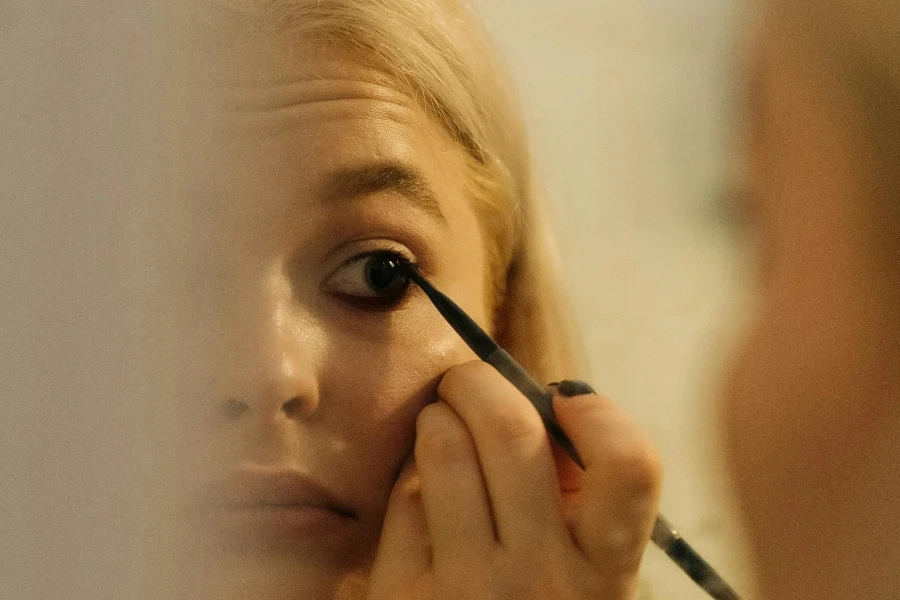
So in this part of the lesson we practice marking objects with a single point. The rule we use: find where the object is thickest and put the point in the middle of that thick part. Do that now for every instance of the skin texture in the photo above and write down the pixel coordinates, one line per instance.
(326, 386)
(358, 376)
(811, 406)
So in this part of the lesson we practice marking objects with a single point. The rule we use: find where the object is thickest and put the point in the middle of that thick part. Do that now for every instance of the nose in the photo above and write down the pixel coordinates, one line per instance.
(270, 401)
(233, 410)
(269, 373)
(276, 383)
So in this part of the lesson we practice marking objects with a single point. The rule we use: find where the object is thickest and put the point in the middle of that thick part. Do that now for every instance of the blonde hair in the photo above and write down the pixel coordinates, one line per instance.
(440, 52)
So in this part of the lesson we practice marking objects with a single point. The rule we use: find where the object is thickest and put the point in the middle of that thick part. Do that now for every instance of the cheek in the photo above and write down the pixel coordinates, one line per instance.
(792, 396)
(766, 410)
(747, 410)
(373, 388)
(377, 376)
(792, 362)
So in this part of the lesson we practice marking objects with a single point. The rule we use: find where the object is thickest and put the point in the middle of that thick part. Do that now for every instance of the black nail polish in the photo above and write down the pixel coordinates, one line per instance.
(575, 388)
(554, 384)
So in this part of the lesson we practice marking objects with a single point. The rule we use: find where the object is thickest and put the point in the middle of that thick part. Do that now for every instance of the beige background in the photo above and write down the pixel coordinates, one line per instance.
(94, 254)
(627, 103)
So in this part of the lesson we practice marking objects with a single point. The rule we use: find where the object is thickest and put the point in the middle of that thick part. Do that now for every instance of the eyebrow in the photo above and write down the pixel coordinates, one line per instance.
(359, 182)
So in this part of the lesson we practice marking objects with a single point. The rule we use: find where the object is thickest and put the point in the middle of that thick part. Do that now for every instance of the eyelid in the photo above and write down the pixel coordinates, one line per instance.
(355, 252)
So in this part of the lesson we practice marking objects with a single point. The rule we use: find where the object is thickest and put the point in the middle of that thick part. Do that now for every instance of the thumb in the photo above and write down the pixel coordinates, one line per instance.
(404, 552)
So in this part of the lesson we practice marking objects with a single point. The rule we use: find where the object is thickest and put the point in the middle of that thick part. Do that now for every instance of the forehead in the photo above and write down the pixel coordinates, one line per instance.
(290, 116)
(264, 87)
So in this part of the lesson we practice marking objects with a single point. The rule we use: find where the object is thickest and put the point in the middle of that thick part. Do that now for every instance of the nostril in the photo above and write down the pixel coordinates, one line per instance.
(293, 408)
(232, 410)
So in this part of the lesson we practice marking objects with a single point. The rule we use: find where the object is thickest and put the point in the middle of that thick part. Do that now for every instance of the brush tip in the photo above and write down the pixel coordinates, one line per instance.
(409, 269)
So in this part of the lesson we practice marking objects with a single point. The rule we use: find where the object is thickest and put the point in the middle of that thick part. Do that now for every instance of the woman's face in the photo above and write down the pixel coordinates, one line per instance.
(318, 162)
(806, 412)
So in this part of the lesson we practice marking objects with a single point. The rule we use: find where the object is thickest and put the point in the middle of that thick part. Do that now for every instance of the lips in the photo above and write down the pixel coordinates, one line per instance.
(276, 502)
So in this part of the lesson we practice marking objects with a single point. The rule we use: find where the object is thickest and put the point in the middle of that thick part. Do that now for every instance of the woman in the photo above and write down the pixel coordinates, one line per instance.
(343, 130)
(813, 405)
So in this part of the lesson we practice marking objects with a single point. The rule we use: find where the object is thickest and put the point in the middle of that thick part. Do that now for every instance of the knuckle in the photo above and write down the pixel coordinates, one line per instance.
(639, 469)
(438, 441)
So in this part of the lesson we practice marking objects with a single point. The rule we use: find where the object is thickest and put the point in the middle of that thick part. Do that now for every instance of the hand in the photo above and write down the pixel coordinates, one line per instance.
(491, 510)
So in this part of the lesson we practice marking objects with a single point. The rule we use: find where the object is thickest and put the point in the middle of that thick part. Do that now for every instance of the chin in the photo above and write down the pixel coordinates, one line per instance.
(277, 575)
(296, 567)
(279, 553)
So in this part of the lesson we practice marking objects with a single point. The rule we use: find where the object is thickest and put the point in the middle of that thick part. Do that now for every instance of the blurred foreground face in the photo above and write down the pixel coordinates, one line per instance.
(317, 163)
(813, 404)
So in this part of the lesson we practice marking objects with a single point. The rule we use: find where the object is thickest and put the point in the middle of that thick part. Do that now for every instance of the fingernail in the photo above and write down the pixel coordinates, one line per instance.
(554, 384)
(575, 388)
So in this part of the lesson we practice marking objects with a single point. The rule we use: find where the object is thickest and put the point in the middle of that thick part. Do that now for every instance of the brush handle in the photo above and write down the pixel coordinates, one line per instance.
(700, 571)
(537, 395)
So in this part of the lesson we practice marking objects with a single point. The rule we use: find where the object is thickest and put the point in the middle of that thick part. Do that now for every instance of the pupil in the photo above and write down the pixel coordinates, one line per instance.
(382, 273)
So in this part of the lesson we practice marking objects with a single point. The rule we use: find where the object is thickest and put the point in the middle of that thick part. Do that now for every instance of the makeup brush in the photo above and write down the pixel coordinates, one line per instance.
(488, 351)
(664, 535)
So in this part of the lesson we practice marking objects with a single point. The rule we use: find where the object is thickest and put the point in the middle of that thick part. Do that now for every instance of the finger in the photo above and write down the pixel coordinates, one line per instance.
(514, 453)
(569, 474)
(619, 500)
(571, 482)
(456, 503)
(404, 553)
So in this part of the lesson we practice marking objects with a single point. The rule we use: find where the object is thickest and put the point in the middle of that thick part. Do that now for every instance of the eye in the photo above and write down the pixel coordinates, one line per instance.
(375, 278)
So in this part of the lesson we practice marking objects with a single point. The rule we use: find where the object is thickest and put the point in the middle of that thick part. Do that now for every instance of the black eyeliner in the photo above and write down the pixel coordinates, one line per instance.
(664, 535)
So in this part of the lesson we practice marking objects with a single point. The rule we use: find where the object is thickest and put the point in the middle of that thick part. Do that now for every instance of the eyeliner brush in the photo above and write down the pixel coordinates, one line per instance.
(488, 351)
(664, 535)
